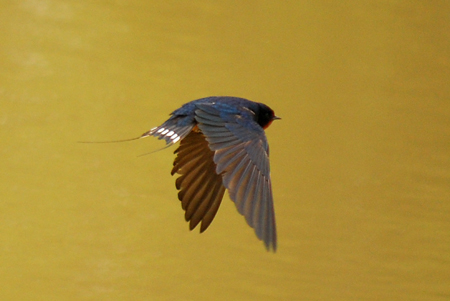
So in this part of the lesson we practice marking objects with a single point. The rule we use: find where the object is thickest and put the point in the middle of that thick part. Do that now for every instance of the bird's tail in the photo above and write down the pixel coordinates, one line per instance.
(171, 131)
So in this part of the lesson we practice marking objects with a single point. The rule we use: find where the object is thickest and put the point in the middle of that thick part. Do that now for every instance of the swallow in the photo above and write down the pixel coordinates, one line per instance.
(222, 147)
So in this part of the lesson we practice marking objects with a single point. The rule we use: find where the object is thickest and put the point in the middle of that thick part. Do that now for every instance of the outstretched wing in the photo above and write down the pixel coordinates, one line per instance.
(241, 153)
(201, 189)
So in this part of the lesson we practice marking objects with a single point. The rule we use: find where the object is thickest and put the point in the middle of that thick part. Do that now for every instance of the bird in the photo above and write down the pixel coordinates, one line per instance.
(223, 146)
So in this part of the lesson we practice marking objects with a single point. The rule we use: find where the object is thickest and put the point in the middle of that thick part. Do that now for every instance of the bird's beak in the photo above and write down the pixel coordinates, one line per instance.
(276, 118)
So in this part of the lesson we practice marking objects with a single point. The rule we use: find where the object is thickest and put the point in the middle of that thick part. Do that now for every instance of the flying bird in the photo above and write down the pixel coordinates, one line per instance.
(222, 147)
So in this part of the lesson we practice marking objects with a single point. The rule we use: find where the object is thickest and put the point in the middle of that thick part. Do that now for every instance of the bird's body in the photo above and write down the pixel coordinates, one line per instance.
(223, 147)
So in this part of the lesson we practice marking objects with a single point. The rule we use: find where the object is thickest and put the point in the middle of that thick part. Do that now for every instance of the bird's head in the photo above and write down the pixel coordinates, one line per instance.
(265, 115)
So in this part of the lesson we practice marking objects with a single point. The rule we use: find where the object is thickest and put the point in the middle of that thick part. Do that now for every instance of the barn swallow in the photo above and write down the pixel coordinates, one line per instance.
(222, 147)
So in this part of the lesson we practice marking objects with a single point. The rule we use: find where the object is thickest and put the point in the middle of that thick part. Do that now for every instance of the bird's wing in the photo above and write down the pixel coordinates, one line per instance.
(201, 189)
(241, 153)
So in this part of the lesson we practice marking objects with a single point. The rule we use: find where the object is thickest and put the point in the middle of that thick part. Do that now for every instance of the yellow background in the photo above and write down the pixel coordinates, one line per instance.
(360, 161)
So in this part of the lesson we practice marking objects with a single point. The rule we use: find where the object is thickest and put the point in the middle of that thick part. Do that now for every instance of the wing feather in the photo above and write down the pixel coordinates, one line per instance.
(241, 153)
(200, 187)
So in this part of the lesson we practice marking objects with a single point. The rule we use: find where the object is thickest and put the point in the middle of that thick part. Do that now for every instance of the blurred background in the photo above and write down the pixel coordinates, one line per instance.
(360, 161)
